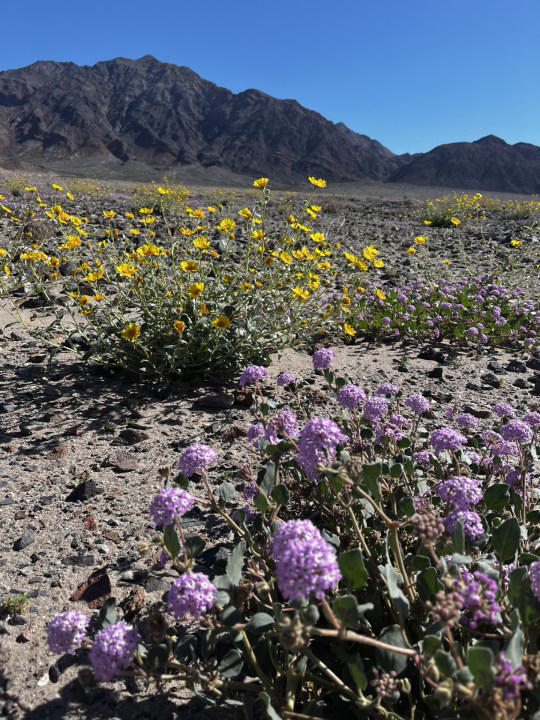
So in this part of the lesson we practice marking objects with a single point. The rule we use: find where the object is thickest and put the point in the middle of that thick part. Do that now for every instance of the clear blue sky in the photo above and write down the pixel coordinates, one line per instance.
(410, 73)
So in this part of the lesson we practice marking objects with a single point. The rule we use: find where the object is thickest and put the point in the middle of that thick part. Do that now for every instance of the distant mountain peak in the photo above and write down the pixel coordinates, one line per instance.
(491, 140)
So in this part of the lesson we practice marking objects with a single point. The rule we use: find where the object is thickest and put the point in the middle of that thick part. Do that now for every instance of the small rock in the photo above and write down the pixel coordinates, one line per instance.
(132, 436)
(6, 407)
(30, 372)
(534, 363)
(516, 366)
(85, 490)
(121, 461)
(491, 380)
(215, 401)
(436, 373)
(27, 538)
(477, 412)
(22, 638)
(79, 560)
(6, 501)
(521, 383)
(496, 367)
(24, 430)
(37, 358)
(60, 451)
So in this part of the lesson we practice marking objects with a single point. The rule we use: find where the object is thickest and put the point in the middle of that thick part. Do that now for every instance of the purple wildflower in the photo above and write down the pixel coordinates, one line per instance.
(306, 565)
(387, 389)
(322, 358)
(286, 378)
(517, 431)
(510, 680)
(446, 438)
(398, 420)
(375, 408)
(417, 403)
(532, 418)
(251, 375)
(467, 421)
(112, 650)
(191, 594)
(534, 578)
(255, 431)
(504, 409)
(170, 504)
(317, 445)
(479, 593)
(196, 458)
(472, 524)
(422, 457)
(350, 396)
(249, 491)
(66, 631)
(460, 491)
(283, 423)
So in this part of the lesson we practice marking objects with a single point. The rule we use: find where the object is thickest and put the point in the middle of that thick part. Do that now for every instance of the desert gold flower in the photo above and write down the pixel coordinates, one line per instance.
(197, 213)
(70, 196)
(131, 332)
(380, 294)
(246, 287)
(3, 252)
(316, 208)
(285, 258)
(324, 265)
(311, 213)
(53, 262)
(129, 215)
(57, 187)
(222, 322)
(300, 293)
(98, 297)
(411, 250)
(349, 330)
(420, 240)
(146, 211)
(30, 189)
(196, 289)
(317, 237)
(134, 231)
(109, 213)
(72, 242)
(7, 270)
(455, 221)
(245, 213)
(317, 182)
(427, 222)
(126, 270)
(370, 253)
(261, 183)
(179, 326)
(211, 209)
(227, 225)
(516, 243)
(95, 276)
(201, 242)
(378, 263)
(203, 310)
(189, 265)
(446, 261)
(83, 300)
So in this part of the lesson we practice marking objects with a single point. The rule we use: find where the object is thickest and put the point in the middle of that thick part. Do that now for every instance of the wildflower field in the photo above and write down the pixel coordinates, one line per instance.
(268, 454)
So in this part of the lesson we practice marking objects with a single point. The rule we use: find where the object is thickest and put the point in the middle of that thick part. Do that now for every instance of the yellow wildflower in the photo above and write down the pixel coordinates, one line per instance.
(317, 237)
(7, 270)
(131, 332)
(57, 187)
(420, 240)
(455, 221)
(227, 225)
(380, 294)
(300, 293)
(201, 242)
(222, 322)
(285, 258)
(126, 270)
(3, 252)
(196, 289)
(109, 213)
(189, 265)
(349, 330)
(370, 253)
(317, 182)
(261, 183)
(411, 250)
(245, 213)
(179, 326)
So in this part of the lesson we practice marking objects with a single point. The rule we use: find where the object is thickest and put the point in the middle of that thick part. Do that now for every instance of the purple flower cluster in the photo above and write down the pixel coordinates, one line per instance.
(472, 523)
(375, 408)
(322, 358)
(422, 458)
(284, 424)
(417, 403)
(285, 379)
(195, 458)
(510, 680)
(503, 448)
(446, 438)
(534, 578)
(170, 504)
(387, 389)
(191, 594)
(255, 431)
(112, 650)
(504, 409)
(66, 631)
(251, 375)
(350, 396)
(479, 593)
(517, 431)
(460, 491)
(467, 421)
(306, 565)
(317, 445)
(532, 418)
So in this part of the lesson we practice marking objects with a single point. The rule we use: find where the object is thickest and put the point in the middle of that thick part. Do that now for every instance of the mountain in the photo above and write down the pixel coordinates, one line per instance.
(488, 164)
(145, 113)
(139, 119)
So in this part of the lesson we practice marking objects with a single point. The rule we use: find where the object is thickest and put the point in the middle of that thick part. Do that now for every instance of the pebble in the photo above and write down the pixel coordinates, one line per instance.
(132, 436)
(27, 538)
(214, 401)
(84, 491)
(516, 366)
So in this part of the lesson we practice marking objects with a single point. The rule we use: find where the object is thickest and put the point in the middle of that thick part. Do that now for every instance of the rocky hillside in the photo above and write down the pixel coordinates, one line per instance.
(139, 119)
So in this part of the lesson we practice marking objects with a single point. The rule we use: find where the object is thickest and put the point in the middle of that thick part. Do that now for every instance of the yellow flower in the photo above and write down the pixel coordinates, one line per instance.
(145, 211)
(72, 242)
(420, 239)
(130, 215)
(300, 293)
(163, 191)
(126, 270)
(446, 261)
(246, 287)
(95, 276)
(285, 258)
(317, 237)
(211, 209)
(57, 187)
(245, 213)
(98, 296)
(203, 309)
(378, 263)
(69, 196)
(316, 208)
(53, 262)
(222, 322)
(455, 221)
(427, 222)
(189, 265)
(261, 183)
(324, 265)
(7, 270)
(30, 189)
(179, 326)
(3, 252)
(317, 182)
(380, 294)
(227, 225)
(311, 213)
(201, 242)
(83, 300)
(370, 253)
(411, 250)
(109, 213)
(131, 332)
(349, 330)
(196, 289)
(516, 243)
(134, 231)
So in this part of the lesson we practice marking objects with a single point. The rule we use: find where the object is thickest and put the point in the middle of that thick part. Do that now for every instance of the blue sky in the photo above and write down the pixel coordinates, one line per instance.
(411, 73)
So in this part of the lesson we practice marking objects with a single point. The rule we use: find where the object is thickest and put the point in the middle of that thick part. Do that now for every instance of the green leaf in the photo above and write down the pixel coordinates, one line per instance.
(394, 580)
(371, 474)
(421, 562)
(497, 497)
(353, 568)
(428, 584)
(346, 609)
(357, 673)
(227, 492)
(280, 495)
(108, 614)
(445, 663)
(396, 470)
(170, 538)
(514, 647)
(194, 546)
(261, 502)
(406, 507)
(260, 623)
(387, 659)
(430, 645)
(521, 596)
(480, 662)
(232, 663)
(506, 539)
(269, 480)
(235, 563)
(270, 712)
(458, 538)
